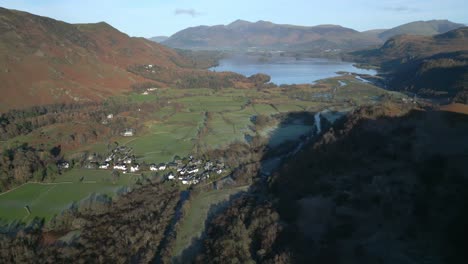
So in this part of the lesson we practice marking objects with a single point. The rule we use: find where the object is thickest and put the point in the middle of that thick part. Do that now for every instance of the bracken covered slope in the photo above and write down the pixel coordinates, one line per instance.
(45, 61)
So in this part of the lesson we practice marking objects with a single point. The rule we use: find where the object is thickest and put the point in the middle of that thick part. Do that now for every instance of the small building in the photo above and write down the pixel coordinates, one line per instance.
(170, 177)
(134, 168)
(128, 132)
(162, 167)
(120, 167)
(154, 167)
(63, 165)
(104, 166)
(110, 116)
(128, 160)
(195, 170)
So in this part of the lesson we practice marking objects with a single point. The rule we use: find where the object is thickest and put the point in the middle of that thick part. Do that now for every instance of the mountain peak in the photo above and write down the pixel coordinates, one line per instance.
(239, 23)
(423, 28)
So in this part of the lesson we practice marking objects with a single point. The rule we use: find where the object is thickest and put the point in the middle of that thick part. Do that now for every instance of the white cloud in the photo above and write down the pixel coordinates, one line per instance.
(191, 12)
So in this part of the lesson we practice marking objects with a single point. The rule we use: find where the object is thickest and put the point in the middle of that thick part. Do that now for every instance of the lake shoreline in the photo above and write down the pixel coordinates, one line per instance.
(288, 70)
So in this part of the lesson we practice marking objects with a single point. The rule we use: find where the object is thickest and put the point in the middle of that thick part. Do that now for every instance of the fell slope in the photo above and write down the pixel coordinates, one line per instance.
(46, 61)
(423, 28)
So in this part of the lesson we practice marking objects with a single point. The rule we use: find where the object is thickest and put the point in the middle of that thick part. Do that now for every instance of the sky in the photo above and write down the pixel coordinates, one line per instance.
(147, 18)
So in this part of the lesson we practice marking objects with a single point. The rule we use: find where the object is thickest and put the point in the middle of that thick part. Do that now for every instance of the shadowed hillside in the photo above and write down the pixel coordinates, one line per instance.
(383, 186)
(435, 66)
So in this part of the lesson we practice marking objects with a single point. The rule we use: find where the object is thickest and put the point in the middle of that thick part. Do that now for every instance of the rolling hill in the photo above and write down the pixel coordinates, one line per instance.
(423, 28)
(240, 35)
(45, 61)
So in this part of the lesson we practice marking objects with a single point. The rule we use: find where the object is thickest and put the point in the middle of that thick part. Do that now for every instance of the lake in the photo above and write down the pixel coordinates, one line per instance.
(287, 70)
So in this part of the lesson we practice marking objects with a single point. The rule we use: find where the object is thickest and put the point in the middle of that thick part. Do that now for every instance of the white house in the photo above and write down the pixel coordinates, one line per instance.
(120, 167)
(185, 182)
(134, 168)
(192, 171)
(104, 166)
(145, 93)
(162, 167)
(219, 171)
(153, 167)
(170, 176)
(128, 161)
(127, 133)
(108, 158)
(110, 116)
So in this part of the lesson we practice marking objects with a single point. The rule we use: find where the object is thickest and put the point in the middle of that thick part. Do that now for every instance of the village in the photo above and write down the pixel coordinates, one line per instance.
(187, 170)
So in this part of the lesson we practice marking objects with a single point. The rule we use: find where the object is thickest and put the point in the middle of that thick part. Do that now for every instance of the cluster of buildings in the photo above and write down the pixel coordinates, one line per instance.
(195, 171)
(120, 158)
(187, 170)
(147, 91)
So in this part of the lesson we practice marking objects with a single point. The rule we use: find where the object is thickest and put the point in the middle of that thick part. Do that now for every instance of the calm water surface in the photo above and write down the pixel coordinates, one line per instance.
(289, 70)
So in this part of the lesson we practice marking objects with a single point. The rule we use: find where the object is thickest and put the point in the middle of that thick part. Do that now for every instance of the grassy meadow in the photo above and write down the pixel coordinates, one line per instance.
(191, 120)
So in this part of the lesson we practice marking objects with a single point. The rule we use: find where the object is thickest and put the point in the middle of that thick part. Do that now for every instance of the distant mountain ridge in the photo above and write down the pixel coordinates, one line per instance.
(241, 35)
(423, 28)
(158, 39)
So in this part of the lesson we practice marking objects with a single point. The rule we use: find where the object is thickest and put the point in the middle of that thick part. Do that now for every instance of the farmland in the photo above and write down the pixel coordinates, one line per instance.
(189, 122)
(48, 199)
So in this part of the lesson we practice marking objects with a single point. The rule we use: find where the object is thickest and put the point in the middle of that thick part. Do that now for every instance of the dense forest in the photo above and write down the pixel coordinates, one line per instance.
(24, 163)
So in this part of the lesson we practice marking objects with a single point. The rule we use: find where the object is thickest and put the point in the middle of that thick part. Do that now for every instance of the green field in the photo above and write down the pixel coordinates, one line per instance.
(190, 121)
(48, 199)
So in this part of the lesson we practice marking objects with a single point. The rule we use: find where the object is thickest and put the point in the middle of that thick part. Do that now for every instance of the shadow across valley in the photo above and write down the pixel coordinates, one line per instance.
(380, 182)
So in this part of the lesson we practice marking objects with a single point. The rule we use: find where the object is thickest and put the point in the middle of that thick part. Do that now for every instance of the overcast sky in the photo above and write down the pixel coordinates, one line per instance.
(146, 18)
